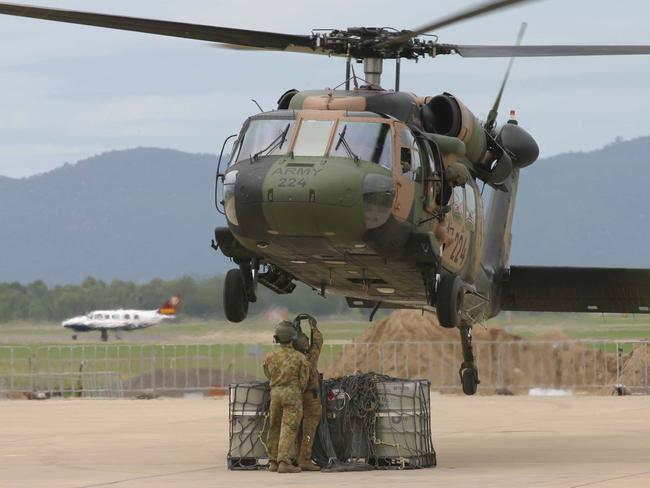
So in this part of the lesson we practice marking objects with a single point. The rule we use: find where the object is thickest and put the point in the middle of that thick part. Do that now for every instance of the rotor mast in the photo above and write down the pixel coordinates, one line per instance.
(372, 69)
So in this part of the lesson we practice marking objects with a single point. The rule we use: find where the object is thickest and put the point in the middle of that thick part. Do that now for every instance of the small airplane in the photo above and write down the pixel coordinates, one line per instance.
(120, 320)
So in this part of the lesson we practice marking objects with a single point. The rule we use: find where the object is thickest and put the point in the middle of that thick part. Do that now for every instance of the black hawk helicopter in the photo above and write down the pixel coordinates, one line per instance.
(373, 194)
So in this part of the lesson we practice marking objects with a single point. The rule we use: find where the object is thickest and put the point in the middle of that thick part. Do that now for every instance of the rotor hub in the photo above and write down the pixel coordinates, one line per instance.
(372, 42)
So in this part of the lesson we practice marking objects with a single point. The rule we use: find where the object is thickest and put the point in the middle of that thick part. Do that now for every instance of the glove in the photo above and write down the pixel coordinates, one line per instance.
(305, 316)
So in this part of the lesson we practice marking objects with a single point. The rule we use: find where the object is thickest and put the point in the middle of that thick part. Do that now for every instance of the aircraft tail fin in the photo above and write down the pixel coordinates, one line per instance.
(171, 306)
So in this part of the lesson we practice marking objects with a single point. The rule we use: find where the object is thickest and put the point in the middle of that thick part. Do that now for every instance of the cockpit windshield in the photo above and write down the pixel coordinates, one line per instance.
(367, 141)
(360, 140)
(263, 137)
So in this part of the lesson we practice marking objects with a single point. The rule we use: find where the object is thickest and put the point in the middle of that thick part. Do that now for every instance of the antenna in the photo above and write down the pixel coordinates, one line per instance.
(492, 116)
(354, 77)
(258, 105)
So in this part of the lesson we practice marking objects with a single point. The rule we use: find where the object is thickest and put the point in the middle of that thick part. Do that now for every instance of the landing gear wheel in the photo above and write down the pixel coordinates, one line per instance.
(469, 379)
(74, 337)
(104, 335)
(449, 301)
(235, 301)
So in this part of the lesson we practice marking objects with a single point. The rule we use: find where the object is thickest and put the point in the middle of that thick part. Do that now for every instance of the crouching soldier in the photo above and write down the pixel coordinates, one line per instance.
(287, 371)
(312, 407)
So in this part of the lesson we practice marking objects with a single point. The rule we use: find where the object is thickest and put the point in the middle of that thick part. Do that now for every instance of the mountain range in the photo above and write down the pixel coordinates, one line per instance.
(149, 213)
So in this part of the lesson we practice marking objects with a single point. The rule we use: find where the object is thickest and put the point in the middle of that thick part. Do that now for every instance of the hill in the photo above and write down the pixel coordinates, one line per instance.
(586, 209)
(133, 215)
(146, 213)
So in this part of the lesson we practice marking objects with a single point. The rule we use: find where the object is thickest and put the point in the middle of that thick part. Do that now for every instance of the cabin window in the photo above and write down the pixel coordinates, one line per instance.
(410, 157)
(263, 137)
(470, 200)
(116, 316)
(127, 316)
(458, 204)
(368, 141)
(136, 317)
(313, 137)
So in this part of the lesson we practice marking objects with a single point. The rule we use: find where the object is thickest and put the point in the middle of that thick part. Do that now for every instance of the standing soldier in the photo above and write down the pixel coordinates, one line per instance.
(288, 373)
(311, 402)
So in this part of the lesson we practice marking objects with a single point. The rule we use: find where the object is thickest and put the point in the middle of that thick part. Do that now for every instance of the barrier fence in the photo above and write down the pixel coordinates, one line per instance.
(115, 370)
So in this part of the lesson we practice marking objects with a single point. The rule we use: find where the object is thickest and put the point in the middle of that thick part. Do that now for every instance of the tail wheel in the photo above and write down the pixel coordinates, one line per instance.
(469, 379)
(449, 301)
(235, 301)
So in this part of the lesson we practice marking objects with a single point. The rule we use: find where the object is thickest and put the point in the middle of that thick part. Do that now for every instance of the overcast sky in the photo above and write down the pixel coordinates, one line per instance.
(68, 92)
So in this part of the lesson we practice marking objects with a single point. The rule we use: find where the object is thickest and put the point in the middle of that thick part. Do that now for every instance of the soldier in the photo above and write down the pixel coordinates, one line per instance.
(288, 373)
(311, 402)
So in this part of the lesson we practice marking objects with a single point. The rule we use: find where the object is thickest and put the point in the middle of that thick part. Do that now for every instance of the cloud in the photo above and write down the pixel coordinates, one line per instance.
(88, 89)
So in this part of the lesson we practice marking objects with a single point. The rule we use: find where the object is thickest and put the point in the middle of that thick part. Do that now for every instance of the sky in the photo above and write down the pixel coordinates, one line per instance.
(69, 92)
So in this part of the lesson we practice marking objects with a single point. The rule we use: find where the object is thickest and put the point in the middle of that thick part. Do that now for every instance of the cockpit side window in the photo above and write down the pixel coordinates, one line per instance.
(263, 137)
(368, 141)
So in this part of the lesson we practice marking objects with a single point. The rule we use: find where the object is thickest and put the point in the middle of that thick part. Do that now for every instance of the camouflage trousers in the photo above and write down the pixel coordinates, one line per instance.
(285, 417)
(312, 410)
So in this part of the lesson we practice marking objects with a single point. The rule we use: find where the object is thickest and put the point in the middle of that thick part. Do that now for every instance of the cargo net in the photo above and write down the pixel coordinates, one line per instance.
(372, 421)
(248, 413)
(369, 421)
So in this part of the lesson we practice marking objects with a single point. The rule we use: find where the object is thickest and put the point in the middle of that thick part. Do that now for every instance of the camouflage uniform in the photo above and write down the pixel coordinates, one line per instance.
(288, 372)
(311, 402)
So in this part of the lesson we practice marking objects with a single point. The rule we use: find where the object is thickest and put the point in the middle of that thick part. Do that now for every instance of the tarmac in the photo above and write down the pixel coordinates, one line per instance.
(481, 441)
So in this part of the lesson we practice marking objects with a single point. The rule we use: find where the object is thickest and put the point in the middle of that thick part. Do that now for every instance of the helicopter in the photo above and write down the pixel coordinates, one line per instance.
(375, 194)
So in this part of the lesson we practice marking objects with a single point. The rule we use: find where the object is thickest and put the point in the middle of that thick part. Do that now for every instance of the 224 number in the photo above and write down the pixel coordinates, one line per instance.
(292, 182)
(459, 251)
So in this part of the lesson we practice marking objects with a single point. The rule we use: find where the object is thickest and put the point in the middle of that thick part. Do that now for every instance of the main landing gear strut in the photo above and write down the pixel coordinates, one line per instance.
(449, 298)
(468, 371)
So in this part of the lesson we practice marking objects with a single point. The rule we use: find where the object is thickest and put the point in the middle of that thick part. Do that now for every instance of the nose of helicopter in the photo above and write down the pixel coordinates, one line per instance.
(335, 198)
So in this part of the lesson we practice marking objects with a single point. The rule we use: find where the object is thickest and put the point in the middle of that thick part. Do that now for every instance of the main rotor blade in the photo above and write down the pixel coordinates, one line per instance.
(492, 116)
(476, 11)
(238, 37)
(538, 51)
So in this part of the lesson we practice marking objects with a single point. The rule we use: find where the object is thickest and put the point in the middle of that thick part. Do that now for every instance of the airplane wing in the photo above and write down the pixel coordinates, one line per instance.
(551, 289)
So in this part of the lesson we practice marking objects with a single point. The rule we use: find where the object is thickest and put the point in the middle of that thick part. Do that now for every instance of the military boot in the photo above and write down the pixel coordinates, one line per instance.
(287, 468)
(273, 466)
(308, 465)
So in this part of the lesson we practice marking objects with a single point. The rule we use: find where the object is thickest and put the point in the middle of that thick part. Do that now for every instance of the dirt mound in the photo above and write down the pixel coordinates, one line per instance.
(409, 344)
(636, 368)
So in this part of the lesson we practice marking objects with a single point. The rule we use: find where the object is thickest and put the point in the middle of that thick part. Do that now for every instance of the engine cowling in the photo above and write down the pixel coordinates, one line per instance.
(450, 117)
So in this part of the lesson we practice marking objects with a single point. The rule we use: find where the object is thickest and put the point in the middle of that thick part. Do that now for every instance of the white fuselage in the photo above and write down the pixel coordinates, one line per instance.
(116, 320)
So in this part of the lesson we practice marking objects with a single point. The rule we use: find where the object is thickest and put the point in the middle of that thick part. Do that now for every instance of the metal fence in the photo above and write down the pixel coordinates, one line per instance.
(115, 370)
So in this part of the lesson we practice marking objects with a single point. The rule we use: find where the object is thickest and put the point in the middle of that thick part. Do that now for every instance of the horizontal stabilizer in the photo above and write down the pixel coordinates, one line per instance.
(602, 290)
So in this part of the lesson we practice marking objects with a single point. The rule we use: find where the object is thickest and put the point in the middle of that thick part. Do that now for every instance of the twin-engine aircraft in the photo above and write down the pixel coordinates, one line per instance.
(120, 320)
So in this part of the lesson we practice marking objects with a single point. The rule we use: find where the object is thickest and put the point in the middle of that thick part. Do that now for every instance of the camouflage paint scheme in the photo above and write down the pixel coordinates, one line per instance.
(306, 217)
(288, 373)
(306, 214)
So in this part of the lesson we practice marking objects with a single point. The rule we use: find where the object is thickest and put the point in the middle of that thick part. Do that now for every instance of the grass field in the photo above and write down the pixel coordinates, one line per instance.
(195, 353)
(191, 331)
